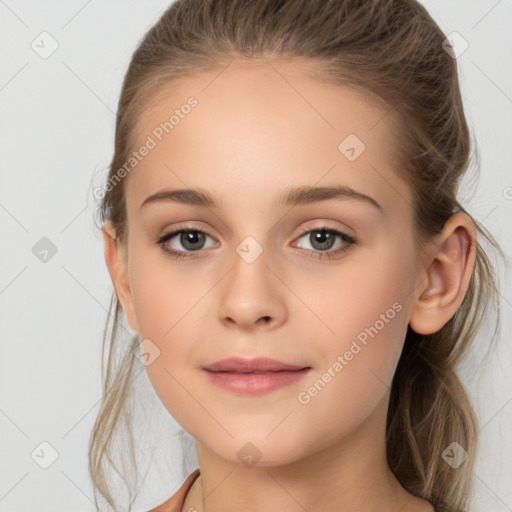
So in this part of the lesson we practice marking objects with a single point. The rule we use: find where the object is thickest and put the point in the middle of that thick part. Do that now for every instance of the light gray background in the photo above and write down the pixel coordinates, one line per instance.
(57, 124)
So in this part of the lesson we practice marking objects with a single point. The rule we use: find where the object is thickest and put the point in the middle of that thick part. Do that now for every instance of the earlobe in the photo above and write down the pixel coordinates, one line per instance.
(448, 273)
(116, 265)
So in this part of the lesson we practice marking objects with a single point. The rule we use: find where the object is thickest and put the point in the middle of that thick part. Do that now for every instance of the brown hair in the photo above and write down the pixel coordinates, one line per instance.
(392, 50)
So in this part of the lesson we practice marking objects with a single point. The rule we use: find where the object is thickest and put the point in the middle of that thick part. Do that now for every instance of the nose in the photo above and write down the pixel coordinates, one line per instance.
(252, 296)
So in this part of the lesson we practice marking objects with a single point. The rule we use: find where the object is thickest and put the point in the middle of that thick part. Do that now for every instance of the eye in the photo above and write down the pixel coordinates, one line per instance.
(191, 240)
(323, 239)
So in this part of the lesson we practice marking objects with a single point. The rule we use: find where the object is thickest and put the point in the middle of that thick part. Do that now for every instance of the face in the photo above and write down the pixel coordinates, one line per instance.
(324, 284)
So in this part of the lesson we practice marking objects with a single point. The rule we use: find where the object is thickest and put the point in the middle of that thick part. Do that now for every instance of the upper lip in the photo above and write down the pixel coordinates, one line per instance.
(260, 364)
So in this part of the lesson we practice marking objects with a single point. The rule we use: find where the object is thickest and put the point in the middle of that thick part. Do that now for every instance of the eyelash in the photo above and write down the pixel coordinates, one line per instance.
(348, 239)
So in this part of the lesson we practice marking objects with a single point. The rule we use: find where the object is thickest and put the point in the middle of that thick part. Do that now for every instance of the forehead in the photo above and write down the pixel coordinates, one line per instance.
(262, 125)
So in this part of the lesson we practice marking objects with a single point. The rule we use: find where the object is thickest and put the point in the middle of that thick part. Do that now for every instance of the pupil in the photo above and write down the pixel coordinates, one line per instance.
(190, 237)
(323, 237)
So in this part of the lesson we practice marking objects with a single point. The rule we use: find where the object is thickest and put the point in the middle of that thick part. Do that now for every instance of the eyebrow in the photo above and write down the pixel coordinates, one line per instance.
(290, 196)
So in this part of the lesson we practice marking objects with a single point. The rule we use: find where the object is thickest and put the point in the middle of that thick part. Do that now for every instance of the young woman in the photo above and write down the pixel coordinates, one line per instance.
(282, 230)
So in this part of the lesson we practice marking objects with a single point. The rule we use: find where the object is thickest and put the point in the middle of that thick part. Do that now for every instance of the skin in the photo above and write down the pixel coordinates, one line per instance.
(251, 136)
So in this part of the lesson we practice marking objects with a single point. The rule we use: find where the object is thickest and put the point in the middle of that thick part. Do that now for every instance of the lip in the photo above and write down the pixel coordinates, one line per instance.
(253, 376)
(258, 364)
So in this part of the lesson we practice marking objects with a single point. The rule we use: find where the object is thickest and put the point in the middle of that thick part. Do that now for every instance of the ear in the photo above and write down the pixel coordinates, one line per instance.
(447, 272)
(115, 259)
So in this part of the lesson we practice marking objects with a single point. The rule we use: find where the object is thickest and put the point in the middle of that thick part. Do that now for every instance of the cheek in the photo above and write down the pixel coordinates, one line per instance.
(377, 308)
(365, 320)
(162, 295)
(167, 303)
(370, 293)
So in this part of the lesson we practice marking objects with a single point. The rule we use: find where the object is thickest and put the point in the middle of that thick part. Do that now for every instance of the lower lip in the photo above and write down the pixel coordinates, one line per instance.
(255, 383)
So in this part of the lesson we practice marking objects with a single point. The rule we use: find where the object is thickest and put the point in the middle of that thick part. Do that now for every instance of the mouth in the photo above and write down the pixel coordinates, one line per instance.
(256, 365)
(253, 377)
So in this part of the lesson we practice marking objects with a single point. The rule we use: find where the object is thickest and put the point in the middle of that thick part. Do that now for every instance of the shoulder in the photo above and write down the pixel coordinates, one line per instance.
(175, 502)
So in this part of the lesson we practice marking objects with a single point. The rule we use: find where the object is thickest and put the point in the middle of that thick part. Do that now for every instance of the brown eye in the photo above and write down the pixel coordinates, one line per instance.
(190, 240)
(323, 239)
